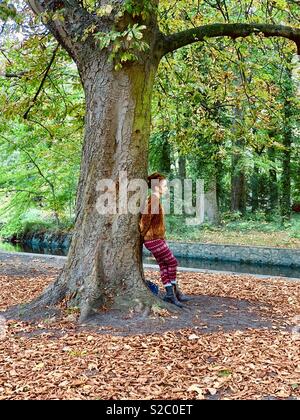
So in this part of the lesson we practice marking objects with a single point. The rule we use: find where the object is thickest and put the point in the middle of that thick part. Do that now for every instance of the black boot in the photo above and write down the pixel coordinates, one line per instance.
(179, 295)
(170, 297)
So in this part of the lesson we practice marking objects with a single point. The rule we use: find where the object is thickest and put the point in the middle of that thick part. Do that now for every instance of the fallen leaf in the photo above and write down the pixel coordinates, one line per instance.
(193, 337)
(196, 388)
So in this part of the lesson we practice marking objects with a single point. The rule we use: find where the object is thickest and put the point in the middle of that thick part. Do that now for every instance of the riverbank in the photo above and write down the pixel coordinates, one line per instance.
(254, 232)
(58, 243)
(16, 263)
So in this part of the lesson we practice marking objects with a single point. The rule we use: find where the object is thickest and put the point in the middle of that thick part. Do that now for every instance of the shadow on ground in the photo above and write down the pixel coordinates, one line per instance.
(206, 314)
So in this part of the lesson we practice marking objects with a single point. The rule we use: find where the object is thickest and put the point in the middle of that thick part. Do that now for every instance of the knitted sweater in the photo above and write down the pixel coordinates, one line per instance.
(152, 224)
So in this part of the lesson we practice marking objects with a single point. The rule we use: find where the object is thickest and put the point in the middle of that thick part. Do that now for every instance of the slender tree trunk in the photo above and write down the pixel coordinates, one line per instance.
(211, 204)
(182, 167)
(104, 265)
(165, 161)
(285, 203)
(219, 187)
(238, 181)
(273, 183)
(296, 139)
(238, 192)
(255, 189)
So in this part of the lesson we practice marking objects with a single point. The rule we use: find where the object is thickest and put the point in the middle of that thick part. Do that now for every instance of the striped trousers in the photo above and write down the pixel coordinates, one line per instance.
(165, 259)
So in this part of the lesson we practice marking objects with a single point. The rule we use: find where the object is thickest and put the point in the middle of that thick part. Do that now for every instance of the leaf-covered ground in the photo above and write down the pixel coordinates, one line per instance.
(255, 357)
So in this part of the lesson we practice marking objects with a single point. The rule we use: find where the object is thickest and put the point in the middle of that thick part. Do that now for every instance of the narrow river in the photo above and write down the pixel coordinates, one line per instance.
(196, 263)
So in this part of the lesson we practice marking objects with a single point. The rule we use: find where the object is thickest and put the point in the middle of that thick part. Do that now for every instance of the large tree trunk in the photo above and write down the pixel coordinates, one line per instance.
(104, 265)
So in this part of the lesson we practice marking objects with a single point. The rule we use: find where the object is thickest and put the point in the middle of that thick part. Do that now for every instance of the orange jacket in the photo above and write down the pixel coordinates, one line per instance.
(152, 224)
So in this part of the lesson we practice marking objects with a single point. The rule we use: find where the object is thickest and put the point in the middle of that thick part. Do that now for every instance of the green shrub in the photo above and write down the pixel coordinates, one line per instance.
(32, 221)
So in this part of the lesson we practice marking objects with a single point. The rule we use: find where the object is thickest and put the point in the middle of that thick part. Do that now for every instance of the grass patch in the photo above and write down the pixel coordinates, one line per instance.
(242, 231)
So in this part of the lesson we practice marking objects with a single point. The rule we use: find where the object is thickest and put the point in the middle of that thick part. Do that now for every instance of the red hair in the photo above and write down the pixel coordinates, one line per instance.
(156, 176)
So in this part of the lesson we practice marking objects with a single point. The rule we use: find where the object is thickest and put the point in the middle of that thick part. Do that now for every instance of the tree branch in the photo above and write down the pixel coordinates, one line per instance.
(20, 190)
(65, 30)
(42, 82)
(233, 30)
(13, 75)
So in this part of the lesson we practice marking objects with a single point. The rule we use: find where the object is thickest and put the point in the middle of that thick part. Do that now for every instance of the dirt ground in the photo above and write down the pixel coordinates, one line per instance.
(238, 338)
